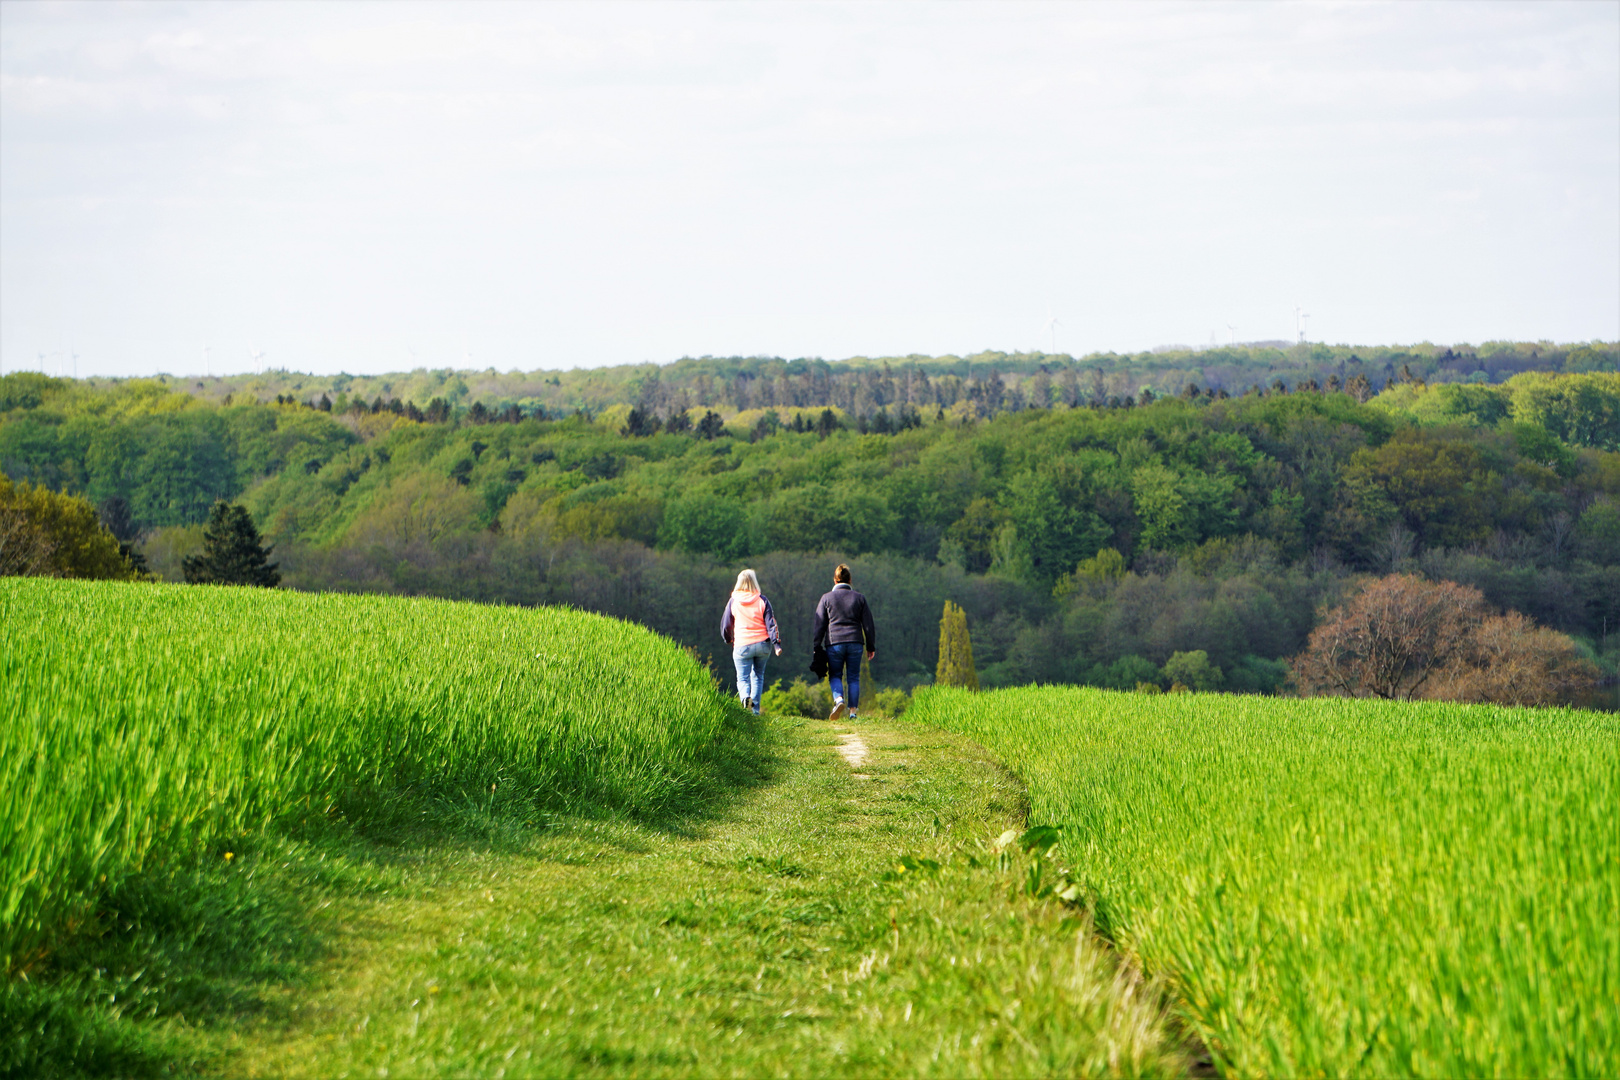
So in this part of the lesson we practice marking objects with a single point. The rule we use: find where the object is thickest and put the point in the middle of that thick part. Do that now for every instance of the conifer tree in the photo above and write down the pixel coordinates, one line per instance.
(231, 554)
(955, 650)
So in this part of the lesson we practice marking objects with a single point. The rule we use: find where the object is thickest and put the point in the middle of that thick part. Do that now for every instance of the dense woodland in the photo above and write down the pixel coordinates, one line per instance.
(1092, 517)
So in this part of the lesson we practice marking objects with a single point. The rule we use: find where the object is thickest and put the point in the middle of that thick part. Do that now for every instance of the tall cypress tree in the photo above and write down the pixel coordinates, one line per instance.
(231, 554)
(955, 650)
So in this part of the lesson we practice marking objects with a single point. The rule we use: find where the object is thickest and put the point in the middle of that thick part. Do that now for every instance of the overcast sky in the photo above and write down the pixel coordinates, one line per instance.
(378, 186)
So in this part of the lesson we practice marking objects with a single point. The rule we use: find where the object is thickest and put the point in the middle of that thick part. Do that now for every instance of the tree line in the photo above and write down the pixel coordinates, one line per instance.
(861, 387)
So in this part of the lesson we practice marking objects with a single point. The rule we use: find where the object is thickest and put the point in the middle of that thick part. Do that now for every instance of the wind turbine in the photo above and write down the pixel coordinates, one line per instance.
(1051, 327)
(1233, 331)
(258, 360)
(1305, 327)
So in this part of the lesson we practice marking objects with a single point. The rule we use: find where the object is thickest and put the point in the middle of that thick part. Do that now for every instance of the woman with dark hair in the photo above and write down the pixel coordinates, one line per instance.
(749, 627)
(844, 623)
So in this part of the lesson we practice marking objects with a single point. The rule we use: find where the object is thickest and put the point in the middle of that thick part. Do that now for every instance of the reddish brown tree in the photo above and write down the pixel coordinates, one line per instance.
(1512, 661)
(1390, 639)
(1403, 637)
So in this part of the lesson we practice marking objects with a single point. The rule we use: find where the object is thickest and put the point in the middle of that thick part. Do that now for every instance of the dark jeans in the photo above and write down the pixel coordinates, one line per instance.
(839, 657)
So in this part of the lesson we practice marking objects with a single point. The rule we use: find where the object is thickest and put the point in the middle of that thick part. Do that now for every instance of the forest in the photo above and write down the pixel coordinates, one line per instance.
(1093, 517)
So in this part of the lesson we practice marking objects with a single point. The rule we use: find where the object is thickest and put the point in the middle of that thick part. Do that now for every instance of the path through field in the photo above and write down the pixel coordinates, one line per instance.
(765, 942)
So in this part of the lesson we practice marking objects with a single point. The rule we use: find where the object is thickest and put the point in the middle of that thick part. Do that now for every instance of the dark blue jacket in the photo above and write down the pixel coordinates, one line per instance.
(842, 616)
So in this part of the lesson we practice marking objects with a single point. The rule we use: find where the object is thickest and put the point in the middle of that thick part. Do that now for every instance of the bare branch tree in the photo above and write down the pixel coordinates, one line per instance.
(1389, 639)
(1512, 661)
(1403, 637)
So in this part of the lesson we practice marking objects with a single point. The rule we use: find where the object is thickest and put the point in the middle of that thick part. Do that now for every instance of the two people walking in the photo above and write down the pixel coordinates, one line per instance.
(843, 631)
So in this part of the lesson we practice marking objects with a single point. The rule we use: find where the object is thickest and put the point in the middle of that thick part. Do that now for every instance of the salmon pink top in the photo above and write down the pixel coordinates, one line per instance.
(749, 620)
(748, 615)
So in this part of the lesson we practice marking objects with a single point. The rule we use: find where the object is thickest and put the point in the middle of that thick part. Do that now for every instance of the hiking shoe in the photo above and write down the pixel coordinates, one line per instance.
(839, 711)
(852, 716)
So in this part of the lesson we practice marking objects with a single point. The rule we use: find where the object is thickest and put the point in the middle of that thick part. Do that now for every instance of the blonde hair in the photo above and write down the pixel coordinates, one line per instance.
(747, 582)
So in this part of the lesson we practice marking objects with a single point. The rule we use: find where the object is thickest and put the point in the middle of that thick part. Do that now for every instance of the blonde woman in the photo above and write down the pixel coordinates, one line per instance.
(749, 627)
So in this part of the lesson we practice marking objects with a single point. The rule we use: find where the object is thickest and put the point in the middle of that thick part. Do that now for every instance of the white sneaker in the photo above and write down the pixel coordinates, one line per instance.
(839, 711)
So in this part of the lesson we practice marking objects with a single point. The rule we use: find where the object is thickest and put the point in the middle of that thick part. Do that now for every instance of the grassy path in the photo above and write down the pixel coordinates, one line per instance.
(762, 941)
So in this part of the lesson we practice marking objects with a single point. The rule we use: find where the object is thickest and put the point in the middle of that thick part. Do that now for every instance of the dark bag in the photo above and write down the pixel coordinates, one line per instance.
(818, 661)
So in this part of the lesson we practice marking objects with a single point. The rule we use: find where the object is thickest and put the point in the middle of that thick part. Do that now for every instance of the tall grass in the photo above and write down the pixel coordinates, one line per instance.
(1342, 886)
(143, 721)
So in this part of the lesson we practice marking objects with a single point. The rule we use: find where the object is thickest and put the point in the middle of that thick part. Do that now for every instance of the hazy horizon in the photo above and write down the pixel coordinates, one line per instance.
(273, 369)
(373, 188)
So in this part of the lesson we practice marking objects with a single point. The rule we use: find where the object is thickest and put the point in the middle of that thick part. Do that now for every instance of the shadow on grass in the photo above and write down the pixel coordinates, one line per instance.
(194, 943)
(214, 940)
(741, 759)
(49, 1031)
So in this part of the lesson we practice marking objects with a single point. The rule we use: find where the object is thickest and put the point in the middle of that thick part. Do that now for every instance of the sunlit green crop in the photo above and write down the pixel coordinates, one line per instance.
(141, 721)
(1341, 886)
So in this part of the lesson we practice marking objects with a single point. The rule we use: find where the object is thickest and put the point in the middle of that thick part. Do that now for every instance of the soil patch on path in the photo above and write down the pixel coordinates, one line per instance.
(852, 748)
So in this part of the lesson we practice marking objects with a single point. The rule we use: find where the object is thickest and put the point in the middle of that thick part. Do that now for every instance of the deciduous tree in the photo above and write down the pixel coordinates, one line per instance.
(44, 533)
(1193, 671)
(976, 532)
(1437, 482)
(1512, 661)
(1403, 637)
(1390, 639)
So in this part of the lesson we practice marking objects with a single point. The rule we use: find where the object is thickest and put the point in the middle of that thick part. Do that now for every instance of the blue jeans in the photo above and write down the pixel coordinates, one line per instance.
(750, 661)
(845, 655)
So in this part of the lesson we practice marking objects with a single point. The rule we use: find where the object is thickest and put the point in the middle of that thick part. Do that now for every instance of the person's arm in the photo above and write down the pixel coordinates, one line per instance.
(727, 623)
(771, 630)
(868, 628)
(819, 630)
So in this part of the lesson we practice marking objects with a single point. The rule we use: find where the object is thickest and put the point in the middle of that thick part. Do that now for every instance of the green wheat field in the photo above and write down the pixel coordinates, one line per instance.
(1288, 887)
(142, 722)
(1340, 886)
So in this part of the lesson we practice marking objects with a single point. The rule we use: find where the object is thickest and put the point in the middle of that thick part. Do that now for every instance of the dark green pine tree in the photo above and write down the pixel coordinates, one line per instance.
(231, 554)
